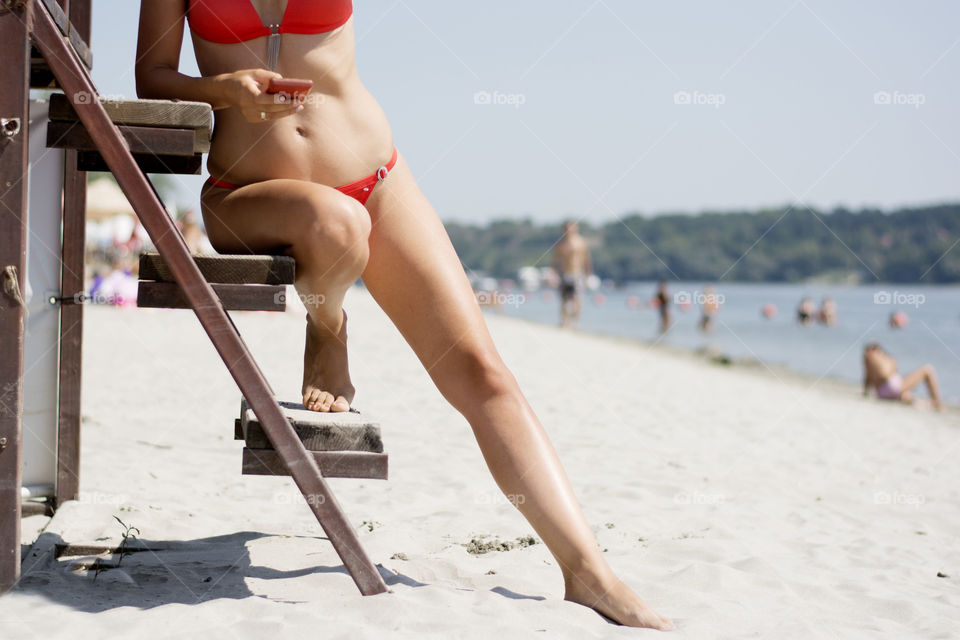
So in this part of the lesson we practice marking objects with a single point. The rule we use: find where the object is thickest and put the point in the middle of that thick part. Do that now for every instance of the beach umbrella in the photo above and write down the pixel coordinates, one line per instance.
(106, 200)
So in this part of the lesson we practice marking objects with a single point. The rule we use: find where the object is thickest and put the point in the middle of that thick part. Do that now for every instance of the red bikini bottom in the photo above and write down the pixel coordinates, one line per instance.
(359, 190)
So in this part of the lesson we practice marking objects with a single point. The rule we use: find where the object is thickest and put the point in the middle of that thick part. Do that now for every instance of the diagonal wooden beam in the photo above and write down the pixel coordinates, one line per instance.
(75, 80)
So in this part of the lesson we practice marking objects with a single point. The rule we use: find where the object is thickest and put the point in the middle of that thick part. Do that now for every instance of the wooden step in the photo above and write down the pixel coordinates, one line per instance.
(333, 464)
(335, 431)
(242, 282)
(154, 114)
(226, 269)
(233, 297)
(166, 136)
(140, 140)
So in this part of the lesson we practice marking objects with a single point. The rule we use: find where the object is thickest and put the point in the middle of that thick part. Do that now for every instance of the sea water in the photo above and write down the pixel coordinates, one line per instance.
(931, 335)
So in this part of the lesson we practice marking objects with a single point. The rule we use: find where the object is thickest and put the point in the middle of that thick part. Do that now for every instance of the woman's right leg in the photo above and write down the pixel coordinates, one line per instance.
(327, 234)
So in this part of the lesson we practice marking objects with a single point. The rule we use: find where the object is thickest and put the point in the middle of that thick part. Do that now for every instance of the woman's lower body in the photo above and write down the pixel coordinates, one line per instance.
(398, 245)
(900, 388)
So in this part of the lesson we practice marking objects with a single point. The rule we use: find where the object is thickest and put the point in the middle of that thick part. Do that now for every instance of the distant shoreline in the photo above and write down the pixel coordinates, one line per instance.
(781, 372)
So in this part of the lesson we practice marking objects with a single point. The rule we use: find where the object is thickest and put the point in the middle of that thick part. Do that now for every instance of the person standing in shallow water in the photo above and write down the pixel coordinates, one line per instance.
(571, 261)
(321, 181)
(662, 302)
(709, 307)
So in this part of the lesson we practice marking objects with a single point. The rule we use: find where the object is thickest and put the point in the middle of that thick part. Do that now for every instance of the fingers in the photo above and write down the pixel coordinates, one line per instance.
(263, 75)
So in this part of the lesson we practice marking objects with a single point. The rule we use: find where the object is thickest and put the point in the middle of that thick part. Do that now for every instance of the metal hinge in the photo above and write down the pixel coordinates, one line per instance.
(79, 298)
(9, 127)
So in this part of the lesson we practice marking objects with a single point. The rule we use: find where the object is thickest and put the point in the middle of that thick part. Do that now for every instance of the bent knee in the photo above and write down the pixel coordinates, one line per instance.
(473, 375)
(336, 219)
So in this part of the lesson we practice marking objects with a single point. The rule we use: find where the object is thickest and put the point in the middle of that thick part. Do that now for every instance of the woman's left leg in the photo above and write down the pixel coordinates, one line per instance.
(415, 276)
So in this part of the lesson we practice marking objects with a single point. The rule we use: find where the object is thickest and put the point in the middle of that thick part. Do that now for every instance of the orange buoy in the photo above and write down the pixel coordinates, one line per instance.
(769, 310)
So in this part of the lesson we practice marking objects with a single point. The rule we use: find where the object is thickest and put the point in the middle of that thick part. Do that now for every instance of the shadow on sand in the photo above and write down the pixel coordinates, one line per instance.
(154, 572)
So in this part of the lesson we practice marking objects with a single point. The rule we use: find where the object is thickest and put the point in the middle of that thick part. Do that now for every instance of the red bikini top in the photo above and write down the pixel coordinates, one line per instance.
(232, 21)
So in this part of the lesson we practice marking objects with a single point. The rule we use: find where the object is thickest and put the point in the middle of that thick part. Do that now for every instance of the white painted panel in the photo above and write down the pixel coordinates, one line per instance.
(41, 353)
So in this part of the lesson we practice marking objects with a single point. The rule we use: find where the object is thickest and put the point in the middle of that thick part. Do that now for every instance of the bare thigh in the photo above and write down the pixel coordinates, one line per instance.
(416, 277)
(280, 216)
(915, 377)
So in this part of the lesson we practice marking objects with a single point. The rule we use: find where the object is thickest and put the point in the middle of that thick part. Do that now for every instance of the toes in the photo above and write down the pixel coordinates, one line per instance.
(340, 405)
(310, 399)
(326, 399)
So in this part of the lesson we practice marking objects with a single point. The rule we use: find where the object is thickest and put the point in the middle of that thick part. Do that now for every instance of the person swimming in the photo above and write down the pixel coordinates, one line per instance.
(880, 373)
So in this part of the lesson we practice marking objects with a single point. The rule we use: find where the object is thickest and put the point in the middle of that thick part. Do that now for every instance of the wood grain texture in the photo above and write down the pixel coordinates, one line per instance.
(333, 464)
(156, 141)
(233, 297)
(75, 37)
(15, 78)
(162, 114)
(174, 114)
(345, 431)
(71, 330)
(226, 269)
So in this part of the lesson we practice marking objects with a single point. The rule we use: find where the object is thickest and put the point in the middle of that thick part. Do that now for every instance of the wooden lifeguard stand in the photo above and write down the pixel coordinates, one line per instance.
(43, 44)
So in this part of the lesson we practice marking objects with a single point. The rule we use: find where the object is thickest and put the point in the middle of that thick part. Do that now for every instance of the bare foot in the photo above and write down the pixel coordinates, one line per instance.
(326, 377)
(615, 600)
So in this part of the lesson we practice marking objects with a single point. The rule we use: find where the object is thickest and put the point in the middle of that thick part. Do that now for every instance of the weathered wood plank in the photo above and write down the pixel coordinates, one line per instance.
(14, 149)
(226, 269)
(80, 17)
(219, 328)
(342, 431)
(71, 330)
(74, 36)
(165, 114)
(173, 142)
(333, 464)
(174, 114)
(148, 163)
(234, 297)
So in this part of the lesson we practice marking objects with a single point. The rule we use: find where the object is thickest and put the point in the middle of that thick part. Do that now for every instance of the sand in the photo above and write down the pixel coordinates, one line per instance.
(741, 503)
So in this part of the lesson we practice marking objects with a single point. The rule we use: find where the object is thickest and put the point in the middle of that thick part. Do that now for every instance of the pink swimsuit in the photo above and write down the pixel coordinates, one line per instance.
(892, 388)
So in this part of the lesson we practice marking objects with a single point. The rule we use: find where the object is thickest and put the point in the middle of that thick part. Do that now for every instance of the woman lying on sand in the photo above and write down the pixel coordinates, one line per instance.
(880, 373)
(275, 165)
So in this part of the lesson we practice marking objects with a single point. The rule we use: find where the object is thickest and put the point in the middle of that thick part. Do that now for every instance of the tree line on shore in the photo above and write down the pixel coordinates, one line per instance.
(788, 244)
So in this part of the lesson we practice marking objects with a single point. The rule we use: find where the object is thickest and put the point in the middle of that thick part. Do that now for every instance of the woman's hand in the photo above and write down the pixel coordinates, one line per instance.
(246, 89)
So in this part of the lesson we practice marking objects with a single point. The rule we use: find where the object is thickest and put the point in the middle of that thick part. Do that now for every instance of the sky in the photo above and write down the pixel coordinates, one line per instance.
(596, 109)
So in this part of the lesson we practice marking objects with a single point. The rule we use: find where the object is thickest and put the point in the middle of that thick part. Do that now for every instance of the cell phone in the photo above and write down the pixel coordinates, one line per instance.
(291, 87)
